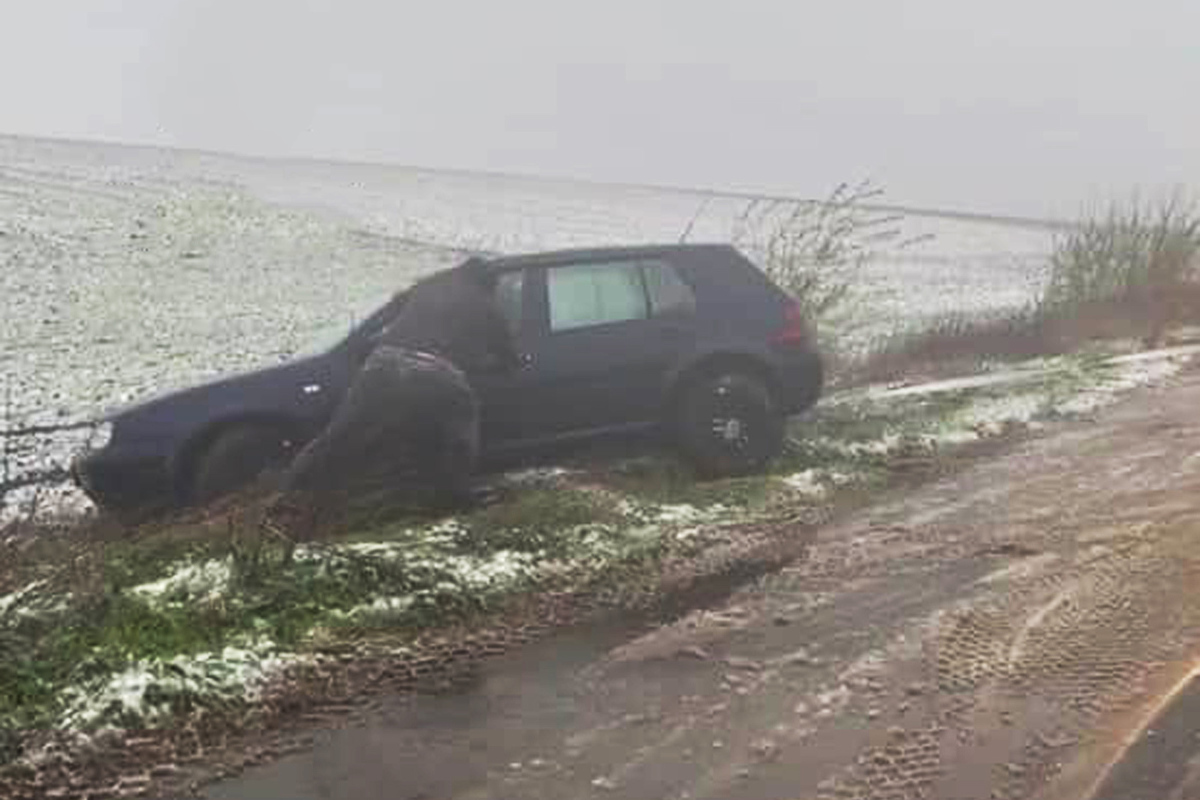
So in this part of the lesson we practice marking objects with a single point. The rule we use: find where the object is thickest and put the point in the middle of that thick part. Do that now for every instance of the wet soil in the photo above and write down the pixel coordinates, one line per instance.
(1003, 632)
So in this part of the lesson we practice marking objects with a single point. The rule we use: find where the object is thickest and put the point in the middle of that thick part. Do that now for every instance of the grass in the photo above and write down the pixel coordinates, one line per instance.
(123, 608)
(1129, 274)
(90, 639)
(665, 482)
(958, 345)
(1138, 255)
(99, 635)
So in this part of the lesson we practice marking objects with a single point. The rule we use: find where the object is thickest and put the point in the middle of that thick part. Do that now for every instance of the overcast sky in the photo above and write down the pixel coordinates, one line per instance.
(1022, 106)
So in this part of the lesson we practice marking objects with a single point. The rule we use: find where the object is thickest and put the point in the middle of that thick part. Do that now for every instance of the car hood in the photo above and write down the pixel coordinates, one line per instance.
(274, 388)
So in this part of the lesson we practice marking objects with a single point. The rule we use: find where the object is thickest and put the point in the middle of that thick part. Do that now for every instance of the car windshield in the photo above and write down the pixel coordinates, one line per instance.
(326, 337)
(329, 335)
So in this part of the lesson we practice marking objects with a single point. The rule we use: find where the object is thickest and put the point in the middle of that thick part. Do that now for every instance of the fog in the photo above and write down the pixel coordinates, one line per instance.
(1022, 107)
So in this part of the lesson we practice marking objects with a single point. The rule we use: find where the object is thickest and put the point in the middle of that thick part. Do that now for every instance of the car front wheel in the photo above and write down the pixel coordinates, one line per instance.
(729, 424)
(235, 458)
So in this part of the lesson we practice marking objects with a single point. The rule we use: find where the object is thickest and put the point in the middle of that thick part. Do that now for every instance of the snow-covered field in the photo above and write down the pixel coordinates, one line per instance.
(129, 271)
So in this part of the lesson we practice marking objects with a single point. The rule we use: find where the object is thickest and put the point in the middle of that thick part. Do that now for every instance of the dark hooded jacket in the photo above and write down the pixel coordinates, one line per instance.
(453, 314)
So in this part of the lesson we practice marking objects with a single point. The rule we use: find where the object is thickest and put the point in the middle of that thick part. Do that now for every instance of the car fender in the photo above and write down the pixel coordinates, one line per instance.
(182, 461)
(746, 358)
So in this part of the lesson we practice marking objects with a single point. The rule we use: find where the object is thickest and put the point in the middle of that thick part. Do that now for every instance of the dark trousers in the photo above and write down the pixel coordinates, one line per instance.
(407, 415)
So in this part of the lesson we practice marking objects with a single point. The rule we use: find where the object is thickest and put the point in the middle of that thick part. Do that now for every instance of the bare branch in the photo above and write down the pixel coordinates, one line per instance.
(700, 210)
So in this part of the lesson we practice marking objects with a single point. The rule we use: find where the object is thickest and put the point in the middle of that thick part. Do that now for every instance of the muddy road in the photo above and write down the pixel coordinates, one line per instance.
(1013, 631)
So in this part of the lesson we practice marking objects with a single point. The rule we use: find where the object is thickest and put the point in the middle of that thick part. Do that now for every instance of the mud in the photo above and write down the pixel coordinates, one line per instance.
(1005, 632)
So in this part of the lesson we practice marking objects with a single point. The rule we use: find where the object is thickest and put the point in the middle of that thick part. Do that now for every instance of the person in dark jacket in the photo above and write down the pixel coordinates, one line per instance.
(411, 411)
(453, 314)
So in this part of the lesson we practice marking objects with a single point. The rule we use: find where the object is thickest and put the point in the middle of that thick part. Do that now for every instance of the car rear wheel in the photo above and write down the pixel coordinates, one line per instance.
(235, 458)
(729, 424)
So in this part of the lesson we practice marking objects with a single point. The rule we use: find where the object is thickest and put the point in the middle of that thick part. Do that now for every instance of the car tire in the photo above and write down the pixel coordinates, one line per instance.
(729, 424)
(234, 459)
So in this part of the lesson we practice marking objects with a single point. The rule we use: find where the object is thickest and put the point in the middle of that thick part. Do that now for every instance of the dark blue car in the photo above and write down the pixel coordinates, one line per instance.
(692, 342)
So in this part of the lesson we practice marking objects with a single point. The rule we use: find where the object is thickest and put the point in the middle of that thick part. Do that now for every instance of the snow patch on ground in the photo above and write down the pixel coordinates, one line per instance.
(144, 691)
(685, 512)
(807, 482)
(468, 572)
(384, 606)
(855, 449)
(14, 598)
(677, 513)
(496, 571)
(40, 501)
(989, 416)
(1128, 374)
(983, 418)
(1026, 372)
(992, 412)
(29, 602)
(204, 581)
(536, 476)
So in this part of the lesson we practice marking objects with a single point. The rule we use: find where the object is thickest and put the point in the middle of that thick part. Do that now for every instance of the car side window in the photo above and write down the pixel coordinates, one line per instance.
(583, 295)
(510, 288)
(669, 293)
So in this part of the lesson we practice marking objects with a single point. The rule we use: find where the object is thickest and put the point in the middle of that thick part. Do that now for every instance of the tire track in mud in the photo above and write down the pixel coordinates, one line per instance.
(1045, 666)
(974, 640)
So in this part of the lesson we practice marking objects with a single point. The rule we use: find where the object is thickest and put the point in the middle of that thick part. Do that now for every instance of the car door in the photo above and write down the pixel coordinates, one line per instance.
(603, 334)
(505, 417)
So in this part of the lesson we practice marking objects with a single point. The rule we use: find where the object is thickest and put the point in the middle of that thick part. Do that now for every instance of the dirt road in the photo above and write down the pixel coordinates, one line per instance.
(1007, 632)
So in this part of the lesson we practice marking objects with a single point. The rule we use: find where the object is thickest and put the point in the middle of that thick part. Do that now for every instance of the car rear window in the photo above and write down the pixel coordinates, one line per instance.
(669, 294)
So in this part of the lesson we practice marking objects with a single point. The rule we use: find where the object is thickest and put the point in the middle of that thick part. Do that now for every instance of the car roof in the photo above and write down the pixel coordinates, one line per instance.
(601, 254)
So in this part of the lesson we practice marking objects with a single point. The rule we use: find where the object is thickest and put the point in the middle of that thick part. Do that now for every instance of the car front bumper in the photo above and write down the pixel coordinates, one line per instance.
(123, 478)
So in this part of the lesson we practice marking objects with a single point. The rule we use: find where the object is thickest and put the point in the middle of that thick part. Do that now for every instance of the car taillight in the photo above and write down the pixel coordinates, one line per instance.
(795, 329)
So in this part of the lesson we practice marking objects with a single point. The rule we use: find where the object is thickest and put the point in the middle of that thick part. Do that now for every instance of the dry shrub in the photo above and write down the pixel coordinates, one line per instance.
(1137, 261)
(813, 249)
(1130, 273)
(950, 345)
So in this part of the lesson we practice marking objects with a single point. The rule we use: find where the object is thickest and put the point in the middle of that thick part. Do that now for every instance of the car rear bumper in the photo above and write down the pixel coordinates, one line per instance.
(119, 479)
(801, 374)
